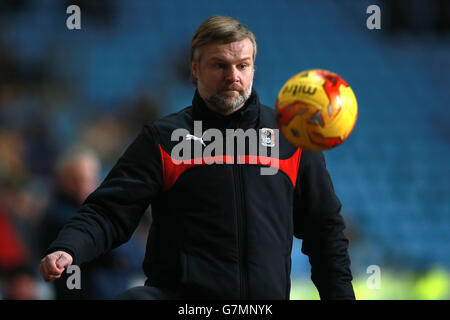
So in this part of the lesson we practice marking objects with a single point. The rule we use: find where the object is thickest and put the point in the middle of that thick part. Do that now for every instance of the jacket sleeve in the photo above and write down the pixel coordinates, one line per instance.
(317, 220)
(110, 214)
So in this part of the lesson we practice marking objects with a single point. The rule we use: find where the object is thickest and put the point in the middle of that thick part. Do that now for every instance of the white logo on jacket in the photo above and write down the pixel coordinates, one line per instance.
(235, 141)
(267, 137)
(192, 137)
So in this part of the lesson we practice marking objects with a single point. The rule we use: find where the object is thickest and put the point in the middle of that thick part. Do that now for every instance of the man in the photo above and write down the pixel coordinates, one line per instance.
(222, 230)
(76, 176)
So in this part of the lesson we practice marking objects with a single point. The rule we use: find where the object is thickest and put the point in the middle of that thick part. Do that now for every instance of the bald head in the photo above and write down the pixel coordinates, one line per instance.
(77, 173)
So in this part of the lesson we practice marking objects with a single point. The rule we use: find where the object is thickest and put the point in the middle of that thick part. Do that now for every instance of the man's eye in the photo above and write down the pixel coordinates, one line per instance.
(219, 65)
(242, 66)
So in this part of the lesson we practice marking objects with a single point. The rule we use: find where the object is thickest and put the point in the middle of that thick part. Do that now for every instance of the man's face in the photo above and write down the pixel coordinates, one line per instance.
(224, 75)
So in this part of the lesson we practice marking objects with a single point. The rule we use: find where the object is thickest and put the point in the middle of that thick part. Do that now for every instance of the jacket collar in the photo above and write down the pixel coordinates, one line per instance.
(245, 118)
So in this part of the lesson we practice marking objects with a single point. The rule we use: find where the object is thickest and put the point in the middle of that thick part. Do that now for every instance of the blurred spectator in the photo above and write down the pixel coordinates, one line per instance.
(40, 148)
(16, 265)
(106, 136)
(12, 166)
(77, 175)
(21, 285)
(13, 252)
(19, 213)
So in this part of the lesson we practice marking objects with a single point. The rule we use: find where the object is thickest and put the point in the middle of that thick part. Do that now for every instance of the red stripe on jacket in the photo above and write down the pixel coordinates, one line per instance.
(172, 168)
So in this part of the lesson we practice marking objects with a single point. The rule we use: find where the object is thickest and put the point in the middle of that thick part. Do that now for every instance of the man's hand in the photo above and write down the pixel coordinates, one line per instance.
(53, 265)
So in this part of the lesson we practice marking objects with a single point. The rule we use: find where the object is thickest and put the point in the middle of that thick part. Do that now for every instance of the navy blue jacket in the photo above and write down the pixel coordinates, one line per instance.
(222, 230)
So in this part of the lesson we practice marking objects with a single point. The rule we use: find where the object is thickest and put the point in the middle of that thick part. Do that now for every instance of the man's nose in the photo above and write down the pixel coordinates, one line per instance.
(232, 74)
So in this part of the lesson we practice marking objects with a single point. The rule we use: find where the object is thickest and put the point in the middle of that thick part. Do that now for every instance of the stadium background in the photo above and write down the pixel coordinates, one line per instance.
(129, 64)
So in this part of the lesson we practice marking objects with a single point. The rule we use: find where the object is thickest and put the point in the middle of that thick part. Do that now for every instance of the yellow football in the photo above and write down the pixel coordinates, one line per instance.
(316, 110)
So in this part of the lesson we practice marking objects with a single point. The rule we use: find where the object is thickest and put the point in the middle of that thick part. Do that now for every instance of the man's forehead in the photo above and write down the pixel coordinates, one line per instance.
(238, 50)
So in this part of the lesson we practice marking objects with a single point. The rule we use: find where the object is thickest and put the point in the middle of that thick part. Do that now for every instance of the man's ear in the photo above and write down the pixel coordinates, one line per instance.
(194, 65)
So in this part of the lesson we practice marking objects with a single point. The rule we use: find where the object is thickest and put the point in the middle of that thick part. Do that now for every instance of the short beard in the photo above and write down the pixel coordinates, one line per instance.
(227, 105)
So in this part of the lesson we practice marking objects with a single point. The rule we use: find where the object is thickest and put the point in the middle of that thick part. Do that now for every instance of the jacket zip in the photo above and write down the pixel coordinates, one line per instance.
(241, 227)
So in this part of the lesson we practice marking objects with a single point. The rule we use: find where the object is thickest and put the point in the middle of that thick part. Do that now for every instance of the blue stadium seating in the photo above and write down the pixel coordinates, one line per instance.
(390, 175)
